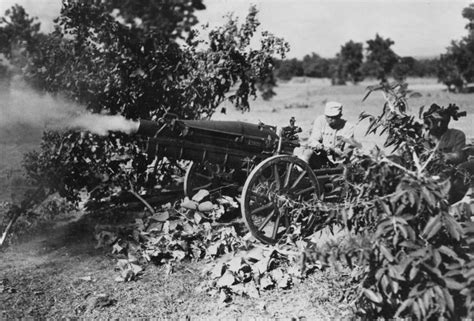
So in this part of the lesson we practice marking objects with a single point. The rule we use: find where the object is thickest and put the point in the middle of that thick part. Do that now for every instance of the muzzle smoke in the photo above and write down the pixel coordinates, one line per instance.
(102, 124)
(25, 113)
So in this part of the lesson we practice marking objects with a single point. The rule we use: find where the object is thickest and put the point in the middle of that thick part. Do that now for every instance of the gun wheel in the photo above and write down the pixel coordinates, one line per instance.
(274, 195)
(210, 177)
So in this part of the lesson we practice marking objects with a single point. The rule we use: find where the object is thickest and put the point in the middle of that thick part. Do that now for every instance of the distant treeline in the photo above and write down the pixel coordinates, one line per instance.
(376, 59)
(356, 61)
(316, 66)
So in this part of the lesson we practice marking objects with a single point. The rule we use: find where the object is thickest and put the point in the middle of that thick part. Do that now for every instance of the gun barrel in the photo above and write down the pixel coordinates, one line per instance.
(148, 128)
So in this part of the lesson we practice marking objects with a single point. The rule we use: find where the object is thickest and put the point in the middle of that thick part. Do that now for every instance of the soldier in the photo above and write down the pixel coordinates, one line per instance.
(331, 135)
(451, 143)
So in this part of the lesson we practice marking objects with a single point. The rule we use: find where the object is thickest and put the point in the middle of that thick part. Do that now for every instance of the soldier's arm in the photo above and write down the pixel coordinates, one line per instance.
(316, 136)
(457, 155)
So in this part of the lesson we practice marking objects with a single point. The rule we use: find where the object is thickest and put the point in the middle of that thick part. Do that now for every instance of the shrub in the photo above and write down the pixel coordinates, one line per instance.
(418, 258)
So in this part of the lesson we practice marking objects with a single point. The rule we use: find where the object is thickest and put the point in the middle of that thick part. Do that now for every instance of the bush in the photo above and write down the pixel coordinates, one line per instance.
(418, 260)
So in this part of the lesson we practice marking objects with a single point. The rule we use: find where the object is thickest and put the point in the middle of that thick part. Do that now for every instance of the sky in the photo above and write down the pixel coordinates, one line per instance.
(419, 28)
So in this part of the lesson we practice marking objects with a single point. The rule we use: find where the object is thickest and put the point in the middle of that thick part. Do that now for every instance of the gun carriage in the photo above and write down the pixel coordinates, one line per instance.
(255, 160)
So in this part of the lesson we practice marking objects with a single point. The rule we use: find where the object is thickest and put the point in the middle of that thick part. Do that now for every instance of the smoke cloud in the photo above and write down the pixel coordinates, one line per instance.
(102, 124)
(24, 114)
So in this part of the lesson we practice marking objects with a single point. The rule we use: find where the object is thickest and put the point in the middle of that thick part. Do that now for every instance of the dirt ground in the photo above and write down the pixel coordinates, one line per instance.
(58, 273)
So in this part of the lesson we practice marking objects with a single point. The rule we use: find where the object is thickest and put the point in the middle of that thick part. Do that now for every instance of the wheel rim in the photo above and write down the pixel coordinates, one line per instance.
(197, 177)
(274, 194)
(206, 176)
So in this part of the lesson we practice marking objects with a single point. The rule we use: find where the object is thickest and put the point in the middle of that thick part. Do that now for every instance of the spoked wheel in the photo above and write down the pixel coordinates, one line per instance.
(274, 194)
(206, 176)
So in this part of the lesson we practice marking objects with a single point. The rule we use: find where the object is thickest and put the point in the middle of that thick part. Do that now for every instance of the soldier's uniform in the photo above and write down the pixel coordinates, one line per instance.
(322, 133)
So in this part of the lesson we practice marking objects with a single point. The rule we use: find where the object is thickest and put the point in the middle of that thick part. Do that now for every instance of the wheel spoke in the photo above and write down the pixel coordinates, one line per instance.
(271, 194)
(298, 180)
(305, 190)
(277, 176)
(267, 219)
(262, 208)
(203, 176)
(286, 220)
(275, 228)
(288, 175)
(205, 186)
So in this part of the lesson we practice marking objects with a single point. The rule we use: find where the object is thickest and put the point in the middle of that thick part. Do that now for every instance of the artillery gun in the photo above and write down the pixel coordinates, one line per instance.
(254, 159)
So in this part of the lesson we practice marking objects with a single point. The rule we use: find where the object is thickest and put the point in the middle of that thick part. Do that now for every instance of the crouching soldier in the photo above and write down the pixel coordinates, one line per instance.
(332, 137)
(451, 143)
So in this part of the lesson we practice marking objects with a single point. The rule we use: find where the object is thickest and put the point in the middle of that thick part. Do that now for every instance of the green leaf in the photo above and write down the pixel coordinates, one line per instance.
(427, 298)
(386, 253)
(416, 310)
(432, 227)
(428, 196)
(448, 252)
(436, 257)
(372, 296)
(385, 207)
(384, 283)
(453, 227)
(449, 300)
(422, 307)
(405, 304)
(452, 284)
(435, 272)
(413, 273)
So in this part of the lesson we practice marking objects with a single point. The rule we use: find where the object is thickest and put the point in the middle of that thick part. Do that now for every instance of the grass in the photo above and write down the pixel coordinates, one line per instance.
(316, 92)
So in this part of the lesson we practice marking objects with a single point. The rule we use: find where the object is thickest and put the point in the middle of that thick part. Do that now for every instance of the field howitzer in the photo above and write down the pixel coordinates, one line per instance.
(254, 159)
(220, 142)
(223, 152)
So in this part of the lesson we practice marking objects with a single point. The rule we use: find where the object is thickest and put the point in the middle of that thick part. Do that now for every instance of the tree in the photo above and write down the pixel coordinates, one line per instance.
(380, 58)
(19, 36)
(132, 67)
(468, 13)
(449, 73)
(290, 68)
(403, 68)
(350, 61)
(425, 67)
(315, 66)
(168, 19)
(456, 68)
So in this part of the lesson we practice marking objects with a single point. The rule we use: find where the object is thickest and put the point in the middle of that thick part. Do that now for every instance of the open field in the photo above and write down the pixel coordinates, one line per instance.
(315, 92)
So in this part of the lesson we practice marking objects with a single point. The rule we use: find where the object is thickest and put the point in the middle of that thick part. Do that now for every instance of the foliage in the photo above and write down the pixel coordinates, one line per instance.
(316, 66)
(449, 74)
(132, 64)
(19, 36)
(349, 65)
(287, 69)
(350, 61)
(403, 68)
(457, 64)
(417, 260)
(236, 264)
(380, 57)
(164, 20)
